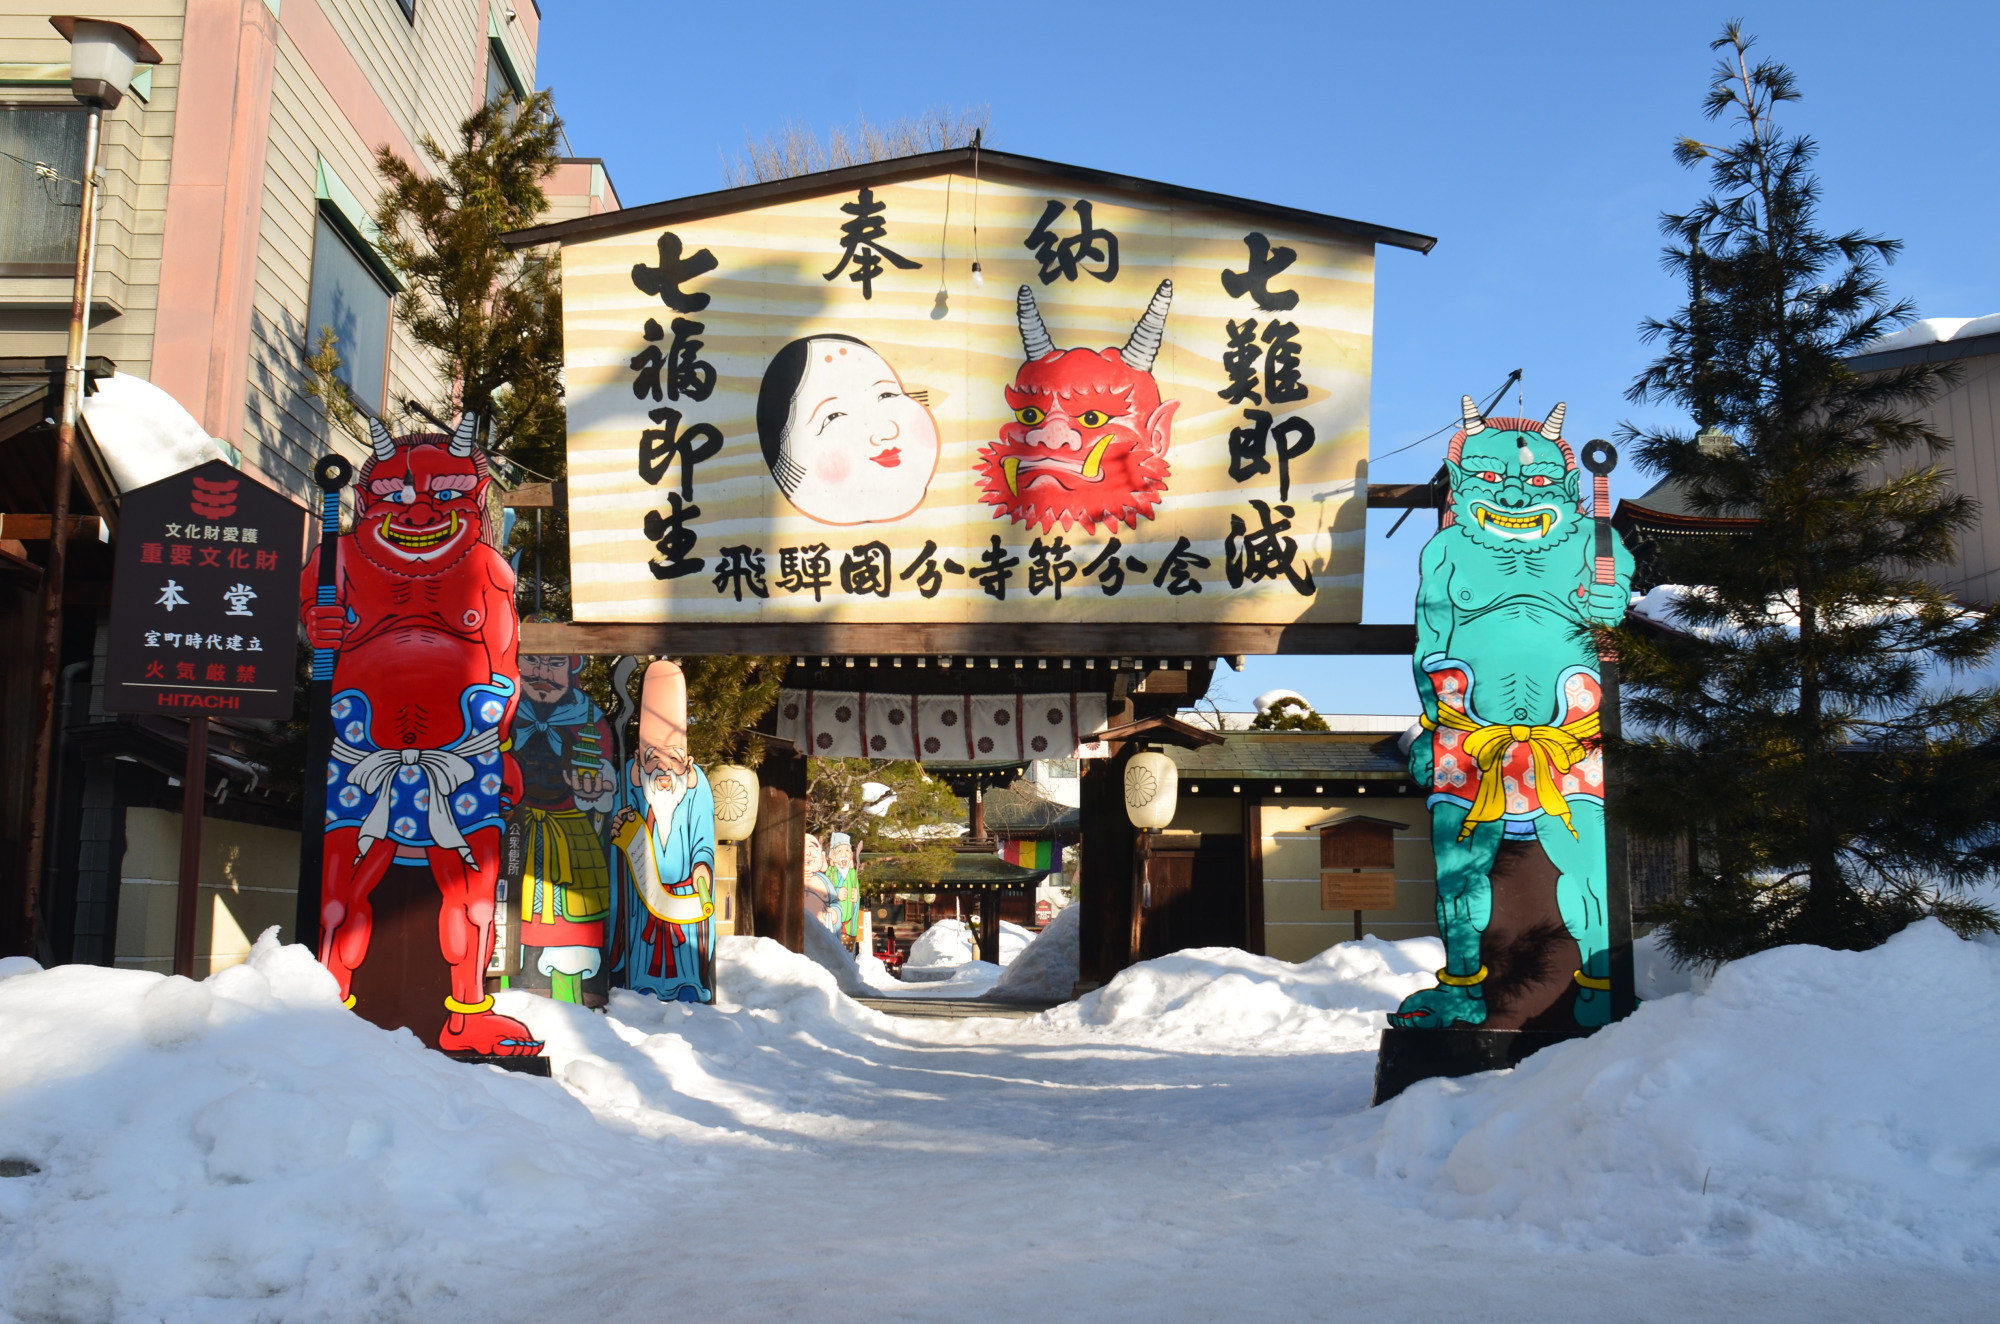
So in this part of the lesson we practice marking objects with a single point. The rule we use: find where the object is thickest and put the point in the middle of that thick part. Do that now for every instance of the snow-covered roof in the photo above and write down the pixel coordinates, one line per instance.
(1932, 331)
(143, 433)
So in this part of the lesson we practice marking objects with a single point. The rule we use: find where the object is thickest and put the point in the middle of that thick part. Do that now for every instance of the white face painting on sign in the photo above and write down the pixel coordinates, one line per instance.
(845, 442)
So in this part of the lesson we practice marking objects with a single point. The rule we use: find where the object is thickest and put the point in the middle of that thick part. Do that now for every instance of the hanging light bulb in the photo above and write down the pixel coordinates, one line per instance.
(978, 277)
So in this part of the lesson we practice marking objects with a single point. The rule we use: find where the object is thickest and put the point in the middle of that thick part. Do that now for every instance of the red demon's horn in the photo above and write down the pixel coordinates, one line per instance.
(461, 439)
(1470, 411)
(1034, 336)
(1552, 426)
(1144, 346)
(379, 438)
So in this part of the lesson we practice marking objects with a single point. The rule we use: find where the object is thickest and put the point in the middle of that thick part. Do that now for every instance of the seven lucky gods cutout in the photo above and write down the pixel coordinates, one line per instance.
(1148, 408)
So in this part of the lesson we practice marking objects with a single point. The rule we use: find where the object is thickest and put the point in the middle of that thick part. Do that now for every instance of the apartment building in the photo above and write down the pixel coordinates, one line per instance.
(238, 177)
(237, 185)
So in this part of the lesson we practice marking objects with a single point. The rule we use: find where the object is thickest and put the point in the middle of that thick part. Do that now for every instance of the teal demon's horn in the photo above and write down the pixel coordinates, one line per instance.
(1473, 422)
(1551, 430)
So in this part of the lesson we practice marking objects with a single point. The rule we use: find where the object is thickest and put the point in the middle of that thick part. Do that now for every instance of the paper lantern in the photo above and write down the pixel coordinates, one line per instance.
(1151, 789)
(735, 791)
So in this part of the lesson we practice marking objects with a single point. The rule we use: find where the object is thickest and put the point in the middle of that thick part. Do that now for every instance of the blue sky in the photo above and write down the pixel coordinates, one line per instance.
(1533, 140)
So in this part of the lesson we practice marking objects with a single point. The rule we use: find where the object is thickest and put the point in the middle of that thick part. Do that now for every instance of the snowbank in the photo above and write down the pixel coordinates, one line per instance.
(832, 955)
(950, 942)
(243, 1148)
(1047, 968)
(1811, 1104)
(1223, 998)
(1655, 973)
(947, 942)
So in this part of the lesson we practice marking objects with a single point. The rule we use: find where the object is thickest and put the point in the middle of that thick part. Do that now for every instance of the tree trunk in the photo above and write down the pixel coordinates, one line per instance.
(1825, 887)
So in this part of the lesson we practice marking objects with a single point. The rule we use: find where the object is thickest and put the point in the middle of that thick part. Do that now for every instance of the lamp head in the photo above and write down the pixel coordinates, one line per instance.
(103, 57)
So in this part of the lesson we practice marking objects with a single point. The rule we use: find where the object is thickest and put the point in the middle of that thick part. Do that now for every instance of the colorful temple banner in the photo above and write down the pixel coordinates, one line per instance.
(1043, 855)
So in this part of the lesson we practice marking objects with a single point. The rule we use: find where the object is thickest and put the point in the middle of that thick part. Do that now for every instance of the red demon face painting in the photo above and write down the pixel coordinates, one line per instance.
(1088, 444)
(421, 506)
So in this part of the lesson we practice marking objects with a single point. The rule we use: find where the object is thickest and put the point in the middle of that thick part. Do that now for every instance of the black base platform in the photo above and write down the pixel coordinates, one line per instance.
(1408, 1056)
(527, 1066)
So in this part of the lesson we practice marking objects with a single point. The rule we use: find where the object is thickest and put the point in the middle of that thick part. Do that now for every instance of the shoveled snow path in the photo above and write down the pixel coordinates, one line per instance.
(892, 1169)
(1190, 1143)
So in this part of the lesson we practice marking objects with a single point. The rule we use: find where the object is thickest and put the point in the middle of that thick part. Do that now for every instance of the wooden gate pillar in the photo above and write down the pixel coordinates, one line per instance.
(1105, 879)
(777, 849)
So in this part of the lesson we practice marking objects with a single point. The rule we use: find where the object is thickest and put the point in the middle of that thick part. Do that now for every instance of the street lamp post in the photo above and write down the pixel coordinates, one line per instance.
(103, 57)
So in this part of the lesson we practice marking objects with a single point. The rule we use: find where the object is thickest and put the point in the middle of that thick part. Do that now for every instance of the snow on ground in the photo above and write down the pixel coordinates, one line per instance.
(951, 942)
(1190, 1142)
(1338, 1000)
(1046, 969)
(218, 1150)
(1798, 1108)
(947, 942)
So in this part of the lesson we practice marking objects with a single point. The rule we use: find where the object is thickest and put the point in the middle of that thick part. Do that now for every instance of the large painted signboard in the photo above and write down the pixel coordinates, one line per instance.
(798, 405)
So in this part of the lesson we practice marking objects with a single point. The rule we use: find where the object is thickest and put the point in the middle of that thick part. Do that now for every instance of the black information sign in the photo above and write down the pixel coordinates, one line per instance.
(205, 597)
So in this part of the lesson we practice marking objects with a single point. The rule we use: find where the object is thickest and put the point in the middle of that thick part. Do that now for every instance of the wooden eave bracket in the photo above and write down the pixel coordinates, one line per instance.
(1162, 730)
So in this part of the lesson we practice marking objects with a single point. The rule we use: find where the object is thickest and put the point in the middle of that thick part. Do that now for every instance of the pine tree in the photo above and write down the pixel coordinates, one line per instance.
(896, 823)
(491, 315)
(1289, 715)
(1802, 726)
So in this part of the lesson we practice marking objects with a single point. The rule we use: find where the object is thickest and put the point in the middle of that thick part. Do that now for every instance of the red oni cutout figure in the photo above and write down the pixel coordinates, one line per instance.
(424, 689)
(1088, 444)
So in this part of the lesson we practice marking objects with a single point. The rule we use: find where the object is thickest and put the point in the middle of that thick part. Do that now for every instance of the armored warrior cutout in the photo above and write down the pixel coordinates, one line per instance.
(1508, 676)
(663, 912)
(424, 688)
(1088, 444)
(563, 746)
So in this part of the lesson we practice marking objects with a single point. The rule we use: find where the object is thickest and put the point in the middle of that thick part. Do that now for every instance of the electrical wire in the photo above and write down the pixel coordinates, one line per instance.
(48, 176)
(944, 233)
(1512, 377)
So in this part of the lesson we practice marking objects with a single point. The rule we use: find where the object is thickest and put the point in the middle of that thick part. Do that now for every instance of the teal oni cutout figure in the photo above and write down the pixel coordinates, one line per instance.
(1509, 680)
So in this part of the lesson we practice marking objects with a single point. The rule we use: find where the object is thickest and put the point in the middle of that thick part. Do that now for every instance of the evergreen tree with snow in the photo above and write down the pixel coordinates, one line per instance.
(1802, 724)
(1289, 713)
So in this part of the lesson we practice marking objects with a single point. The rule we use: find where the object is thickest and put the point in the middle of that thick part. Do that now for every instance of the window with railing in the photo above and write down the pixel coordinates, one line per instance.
(41, 188)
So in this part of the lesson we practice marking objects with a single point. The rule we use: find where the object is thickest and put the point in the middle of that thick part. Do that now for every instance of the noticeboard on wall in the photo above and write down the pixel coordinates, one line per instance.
(796, 405)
